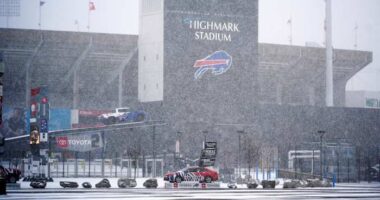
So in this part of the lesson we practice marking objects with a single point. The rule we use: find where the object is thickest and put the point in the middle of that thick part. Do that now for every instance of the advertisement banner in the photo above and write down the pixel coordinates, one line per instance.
(82, 143)
(14, 122)
(60, 119)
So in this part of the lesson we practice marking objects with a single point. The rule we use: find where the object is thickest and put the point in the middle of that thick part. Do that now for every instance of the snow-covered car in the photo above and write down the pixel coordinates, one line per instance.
(104, 183)
(86, 185)
(68, 184)
(122, 115)
(41, 184)
(151, 183)
(126, 183)
(201, 174)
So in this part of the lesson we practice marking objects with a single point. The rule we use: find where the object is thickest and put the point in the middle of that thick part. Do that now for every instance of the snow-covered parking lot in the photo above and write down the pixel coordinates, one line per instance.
(342, 191)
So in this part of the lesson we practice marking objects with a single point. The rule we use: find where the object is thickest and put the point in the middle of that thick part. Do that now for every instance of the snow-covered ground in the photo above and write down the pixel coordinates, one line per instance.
(54, 191)
(349, 191)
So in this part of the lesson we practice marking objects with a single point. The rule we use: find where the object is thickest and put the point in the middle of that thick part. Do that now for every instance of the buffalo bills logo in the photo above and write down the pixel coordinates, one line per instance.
(218, 62)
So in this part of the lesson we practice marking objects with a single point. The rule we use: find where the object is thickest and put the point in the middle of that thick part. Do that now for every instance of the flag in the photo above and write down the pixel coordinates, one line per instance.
(91, 6)
(42, 3)
(356, 27)
(289, 21)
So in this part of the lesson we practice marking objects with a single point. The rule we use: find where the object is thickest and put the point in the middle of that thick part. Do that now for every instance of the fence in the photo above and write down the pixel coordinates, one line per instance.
(84, 168)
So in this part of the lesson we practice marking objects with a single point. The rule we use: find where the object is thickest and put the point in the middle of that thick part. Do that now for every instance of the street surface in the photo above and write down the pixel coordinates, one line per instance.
(341, 192)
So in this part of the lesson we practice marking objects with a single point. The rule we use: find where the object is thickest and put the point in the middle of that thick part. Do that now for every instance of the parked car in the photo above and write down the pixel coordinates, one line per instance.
(201, 174)
(12, 175)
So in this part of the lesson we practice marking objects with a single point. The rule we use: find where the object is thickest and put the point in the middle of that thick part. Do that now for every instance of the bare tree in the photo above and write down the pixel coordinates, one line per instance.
(251, 154)
(134, 150)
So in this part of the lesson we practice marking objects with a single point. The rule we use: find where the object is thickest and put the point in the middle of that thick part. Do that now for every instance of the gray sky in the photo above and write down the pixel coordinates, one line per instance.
(121, 16)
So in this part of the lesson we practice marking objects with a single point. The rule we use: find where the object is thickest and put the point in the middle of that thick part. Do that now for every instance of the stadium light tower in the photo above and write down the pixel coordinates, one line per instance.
(329, 55)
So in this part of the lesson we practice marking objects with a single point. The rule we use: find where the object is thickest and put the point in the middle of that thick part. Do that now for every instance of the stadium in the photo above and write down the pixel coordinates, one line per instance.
(276, 96)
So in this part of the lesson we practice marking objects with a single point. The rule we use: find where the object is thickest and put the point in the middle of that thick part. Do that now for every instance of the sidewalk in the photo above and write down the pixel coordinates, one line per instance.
(359, 185)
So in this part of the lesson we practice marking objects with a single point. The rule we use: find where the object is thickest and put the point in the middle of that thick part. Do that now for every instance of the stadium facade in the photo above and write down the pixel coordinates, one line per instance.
(203, 72)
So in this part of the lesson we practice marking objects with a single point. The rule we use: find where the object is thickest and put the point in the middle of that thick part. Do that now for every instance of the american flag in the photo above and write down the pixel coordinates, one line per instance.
(91, 6)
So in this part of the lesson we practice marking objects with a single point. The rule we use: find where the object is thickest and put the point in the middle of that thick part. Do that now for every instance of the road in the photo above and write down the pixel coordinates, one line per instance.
(177, 194)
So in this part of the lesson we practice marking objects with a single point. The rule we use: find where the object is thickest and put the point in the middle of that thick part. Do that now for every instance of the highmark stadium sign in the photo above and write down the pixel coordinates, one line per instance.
(210, 45)
(212, 30)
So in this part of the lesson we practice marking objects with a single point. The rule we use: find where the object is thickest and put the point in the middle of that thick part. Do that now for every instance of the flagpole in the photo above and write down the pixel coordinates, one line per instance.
(77, 24)
(7, 19)
(356, 36)
(39, 15)
(7, 12)
(88, 22)
(290, 23)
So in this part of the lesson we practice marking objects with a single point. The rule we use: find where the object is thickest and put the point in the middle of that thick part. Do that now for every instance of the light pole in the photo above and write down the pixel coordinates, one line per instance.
(240, 132)
(177, 146)
(205, 132)
(154, 151)
(295, 161)
(321, 134)
(378, 160)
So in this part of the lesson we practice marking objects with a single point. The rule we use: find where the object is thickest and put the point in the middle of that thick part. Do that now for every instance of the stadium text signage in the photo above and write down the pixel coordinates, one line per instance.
(212, 30)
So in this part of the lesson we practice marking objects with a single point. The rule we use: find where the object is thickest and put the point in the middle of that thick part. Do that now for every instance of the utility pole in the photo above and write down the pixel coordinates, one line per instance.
(329, 57)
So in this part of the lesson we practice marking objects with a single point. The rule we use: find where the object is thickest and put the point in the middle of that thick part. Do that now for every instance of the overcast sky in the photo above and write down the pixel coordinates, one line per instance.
(121, 16)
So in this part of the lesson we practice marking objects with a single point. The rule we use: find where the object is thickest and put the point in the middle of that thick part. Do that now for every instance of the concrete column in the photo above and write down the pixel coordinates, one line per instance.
(329, 56)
